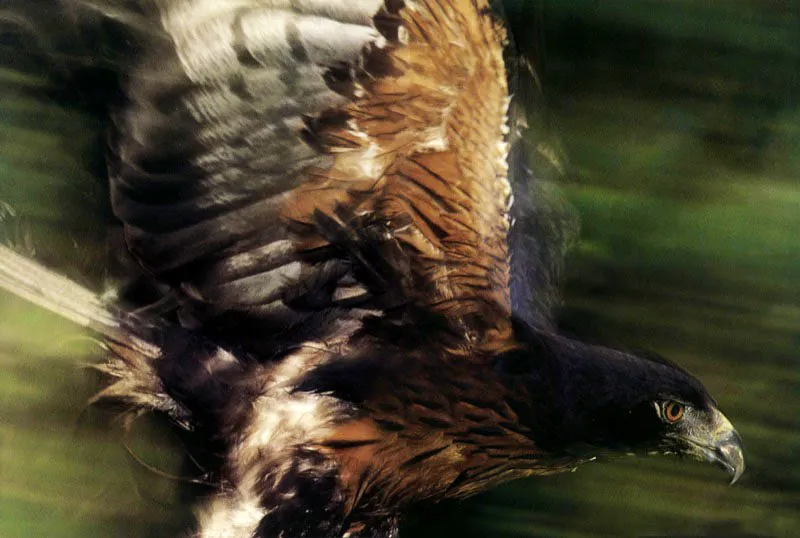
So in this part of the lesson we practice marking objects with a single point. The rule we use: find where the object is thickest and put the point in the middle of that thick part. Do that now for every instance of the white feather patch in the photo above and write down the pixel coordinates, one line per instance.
(230, 517)
(280, 422)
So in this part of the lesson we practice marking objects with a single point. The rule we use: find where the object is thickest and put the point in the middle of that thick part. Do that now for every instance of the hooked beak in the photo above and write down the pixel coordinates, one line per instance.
(720, 445)
(729, 454)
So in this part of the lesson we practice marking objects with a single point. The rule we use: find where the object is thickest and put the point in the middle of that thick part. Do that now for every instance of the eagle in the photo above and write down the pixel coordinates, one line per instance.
(329, 280)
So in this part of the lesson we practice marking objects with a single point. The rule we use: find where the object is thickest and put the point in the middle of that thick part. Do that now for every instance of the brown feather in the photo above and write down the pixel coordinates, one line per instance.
(427, 143)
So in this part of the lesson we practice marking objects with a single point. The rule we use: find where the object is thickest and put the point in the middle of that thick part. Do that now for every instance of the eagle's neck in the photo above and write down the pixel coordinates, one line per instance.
(569, 393)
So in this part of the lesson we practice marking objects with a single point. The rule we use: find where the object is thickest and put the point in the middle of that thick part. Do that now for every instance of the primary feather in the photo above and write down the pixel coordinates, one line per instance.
(248, 123)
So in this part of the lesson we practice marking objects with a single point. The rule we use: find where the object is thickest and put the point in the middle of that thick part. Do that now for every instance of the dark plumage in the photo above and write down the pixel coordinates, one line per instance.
(351, 307)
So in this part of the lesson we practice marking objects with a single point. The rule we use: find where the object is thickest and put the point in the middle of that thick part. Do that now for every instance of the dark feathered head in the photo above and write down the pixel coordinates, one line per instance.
(581, 400)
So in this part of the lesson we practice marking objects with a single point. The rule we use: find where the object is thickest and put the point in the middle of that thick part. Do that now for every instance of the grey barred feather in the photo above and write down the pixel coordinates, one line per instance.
(211, 138)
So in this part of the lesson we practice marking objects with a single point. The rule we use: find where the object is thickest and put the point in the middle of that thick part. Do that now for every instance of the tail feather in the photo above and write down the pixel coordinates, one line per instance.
(131, 363)
(45, 288)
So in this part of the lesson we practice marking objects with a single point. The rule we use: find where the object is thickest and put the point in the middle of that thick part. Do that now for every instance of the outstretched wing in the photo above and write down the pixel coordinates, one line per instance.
(269, 154)
(544, 224)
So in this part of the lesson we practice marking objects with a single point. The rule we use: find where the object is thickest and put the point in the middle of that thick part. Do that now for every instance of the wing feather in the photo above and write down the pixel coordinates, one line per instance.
(431, 140)
(247, 120)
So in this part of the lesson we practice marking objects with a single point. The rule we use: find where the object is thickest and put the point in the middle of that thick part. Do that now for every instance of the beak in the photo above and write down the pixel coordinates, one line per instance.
(719, 444)
(729, 454)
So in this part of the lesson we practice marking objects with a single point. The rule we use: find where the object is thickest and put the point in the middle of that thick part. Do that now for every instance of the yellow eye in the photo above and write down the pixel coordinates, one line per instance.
(673, 411)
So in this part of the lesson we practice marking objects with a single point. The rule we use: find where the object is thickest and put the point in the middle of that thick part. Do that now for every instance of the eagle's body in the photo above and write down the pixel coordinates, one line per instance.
(351, 312)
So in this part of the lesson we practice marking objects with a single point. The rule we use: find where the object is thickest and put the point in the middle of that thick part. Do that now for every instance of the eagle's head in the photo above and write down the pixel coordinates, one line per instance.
(584, 401)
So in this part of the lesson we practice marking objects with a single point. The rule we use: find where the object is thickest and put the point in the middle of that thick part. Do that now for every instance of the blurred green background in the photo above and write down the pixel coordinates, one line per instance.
(681, 120)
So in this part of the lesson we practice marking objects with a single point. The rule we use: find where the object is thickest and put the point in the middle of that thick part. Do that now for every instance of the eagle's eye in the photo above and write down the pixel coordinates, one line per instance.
(671, 411)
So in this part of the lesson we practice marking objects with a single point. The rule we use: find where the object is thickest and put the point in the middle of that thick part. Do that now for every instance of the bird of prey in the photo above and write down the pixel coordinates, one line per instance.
(326, 197)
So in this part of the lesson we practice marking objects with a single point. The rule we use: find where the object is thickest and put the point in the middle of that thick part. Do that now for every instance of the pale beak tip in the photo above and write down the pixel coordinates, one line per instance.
(730, 454)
